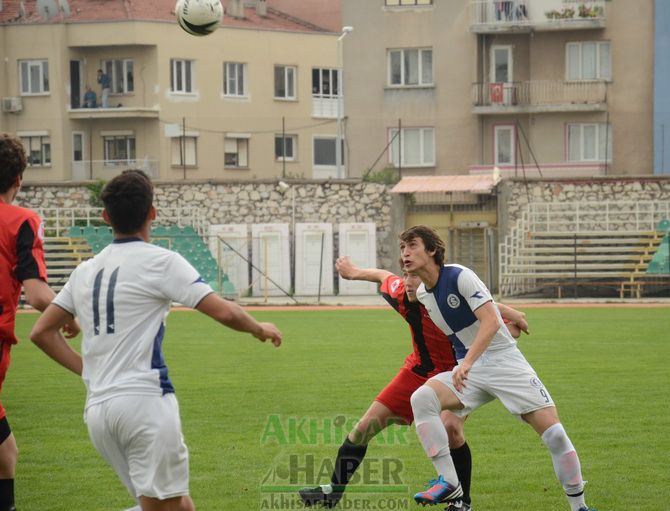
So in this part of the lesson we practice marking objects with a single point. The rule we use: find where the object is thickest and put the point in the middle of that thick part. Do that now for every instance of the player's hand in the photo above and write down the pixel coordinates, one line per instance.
(269, 331)
(345, 267)
(71, 329)
(522, 324)
(460, 374)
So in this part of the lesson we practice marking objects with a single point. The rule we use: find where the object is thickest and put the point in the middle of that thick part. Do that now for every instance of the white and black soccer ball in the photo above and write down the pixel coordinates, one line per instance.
(199, 17)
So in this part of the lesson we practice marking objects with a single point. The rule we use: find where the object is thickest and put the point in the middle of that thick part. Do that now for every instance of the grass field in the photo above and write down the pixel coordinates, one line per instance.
(258, 419)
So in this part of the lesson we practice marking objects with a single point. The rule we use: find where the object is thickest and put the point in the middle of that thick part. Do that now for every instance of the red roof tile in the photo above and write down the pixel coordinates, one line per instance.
(83, 11)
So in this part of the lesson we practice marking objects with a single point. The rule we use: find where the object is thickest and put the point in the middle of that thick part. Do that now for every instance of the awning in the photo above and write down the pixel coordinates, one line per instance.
(445, 184)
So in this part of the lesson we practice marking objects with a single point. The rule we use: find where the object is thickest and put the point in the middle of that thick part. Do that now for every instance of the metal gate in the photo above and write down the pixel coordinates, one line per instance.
(474, 246)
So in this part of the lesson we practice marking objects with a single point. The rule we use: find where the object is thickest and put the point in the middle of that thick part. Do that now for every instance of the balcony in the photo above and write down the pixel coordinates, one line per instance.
(521, 16)
(121, 112)
(545, 170)
(539, 96)
(84, 170)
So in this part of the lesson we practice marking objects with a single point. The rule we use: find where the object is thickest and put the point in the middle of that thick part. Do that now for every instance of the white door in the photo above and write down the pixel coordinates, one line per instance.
(358, 241)
(229, 245)
(270, 256)
(313, 259)
(504, 145)
(501, 75)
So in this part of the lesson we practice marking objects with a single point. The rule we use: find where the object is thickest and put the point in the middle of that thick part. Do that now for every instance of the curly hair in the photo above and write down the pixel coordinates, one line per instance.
(12, 161)
(128, 198)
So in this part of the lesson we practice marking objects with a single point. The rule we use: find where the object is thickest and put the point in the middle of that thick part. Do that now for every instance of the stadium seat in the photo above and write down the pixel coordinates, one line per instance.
(160, 231)
(76, 232)
(189, 231)
(89, 231)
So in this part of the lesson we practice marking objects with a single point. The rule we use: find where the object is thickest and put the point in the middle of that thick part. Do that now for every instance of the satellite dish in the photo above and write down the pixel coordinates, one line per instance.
(64, 8)
(47, 9)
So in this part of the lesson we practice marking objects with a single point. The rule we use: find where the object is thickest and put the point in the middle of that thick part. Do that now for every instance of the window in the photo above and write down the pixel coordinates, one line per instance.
(120, 73)
(77, 146)
(325, 82)
(234, 79)
(408, 2)
(38, 149)
(184, 151)
(588, 61)
(119, 148)
(236, 152)
(285, 82)
(418, 147)
(181, 79)
(589, 142)
(324, 152)
(504, 145)
(286, 147)
(34, 76)
(410, 67)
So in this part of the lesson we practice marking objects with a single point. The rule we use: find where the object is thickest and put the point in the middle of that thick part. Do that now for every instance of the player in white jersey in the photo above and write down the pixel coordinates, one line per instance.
(121, 297)
(490, 366)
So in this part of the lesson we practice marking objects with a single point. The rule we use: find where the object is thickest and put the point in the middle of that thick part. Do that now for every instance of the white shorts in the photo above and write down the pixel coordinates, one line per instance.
(140, 437)
(506, 376)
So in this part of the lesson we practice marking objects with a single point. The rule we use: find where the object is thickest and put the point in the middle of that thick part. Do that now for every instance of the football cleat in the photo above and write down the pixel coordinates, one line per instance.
(438, 491)
(318, 497)
(458, 505)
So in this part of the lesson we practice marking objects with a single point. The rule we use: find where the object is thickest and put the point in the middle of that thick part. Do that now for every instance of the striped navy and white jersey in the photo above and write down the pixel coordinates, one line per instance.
(121, 298)
(451, 305)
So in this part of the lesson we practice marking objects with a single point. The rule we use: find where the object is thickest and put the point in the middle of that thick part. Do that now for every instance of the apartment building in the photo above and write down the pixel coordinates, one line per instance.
(661, 81)
(256, 99)
(543, 87)
(457, 94)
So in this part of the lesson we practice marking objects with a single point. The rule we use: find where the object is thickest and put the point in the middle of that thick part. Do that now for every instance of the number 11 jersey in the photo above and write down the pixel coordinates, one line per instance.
(122, 297)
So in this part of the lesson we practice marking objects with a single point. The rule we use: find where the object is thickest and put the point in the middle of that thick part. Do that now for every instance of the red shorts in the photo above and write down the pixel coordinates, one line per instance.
(396, 395)
(5, 346)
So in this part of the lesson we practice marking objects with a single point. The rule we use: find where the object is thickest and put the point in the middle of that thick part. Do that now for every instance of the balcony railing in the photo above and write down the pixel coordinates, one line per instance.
(539, 96)
(84, 170)
(325, 106)
(524, 15)
(121, 112)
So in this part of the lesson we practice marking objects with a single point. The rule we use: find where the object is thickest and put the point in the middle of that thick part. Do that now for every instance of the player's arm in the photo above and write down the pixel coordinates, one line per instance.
(517, 319)
(46, 335)
(233, 316)
(350, 271)
(39, 295)
(488, 326)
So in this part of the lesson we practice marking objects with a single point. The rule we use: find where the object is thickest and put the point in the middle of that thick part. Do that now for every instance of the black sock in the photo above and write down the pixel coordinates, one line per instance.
(7, 495)
(349, 456)
(463, 463)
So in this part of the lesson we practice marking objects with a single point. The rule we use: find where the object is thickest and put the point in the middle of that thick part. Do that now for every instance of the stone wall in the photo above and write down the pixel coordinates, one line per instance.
(255, 202)
(515, 194)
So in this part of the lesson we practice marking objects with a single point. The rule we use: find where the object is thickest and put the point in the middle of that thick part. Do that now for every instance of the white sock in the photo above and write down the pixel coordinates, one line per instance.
(432, 435)
(566, 464)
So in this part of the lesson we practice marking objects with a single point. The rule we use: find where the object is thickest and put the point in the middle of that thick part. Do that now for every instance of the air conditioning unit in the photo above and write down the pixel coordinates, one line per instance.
(12, 105)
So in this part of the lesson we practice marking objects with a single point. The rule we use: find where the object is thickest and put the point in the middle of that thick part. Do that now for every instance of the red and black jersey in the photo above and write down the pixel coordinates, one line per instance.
(433, 352)
(21, 258)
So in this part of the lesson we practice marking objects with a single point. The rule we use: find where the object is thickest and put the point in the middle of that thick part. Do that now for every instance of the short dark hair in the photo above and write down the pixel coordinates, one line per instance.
(431, 240)
(128, 198)
(12, 161)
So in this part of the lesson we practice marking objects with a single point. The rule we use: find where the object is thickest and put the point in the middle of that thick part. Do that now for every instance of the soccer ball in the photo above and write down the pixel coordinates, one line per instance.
(199, 17)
